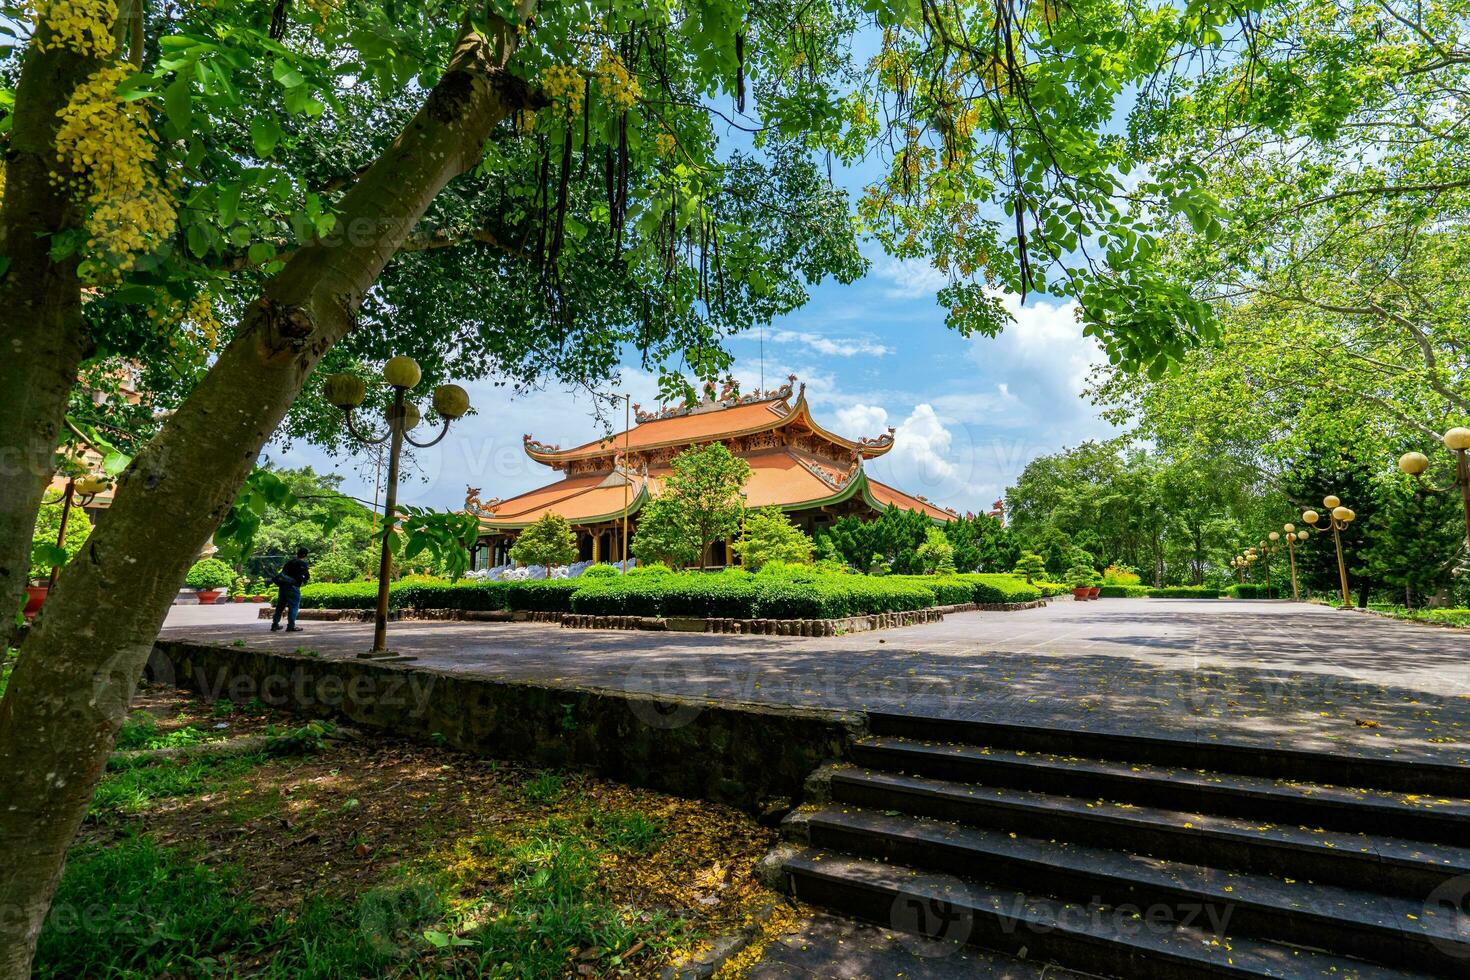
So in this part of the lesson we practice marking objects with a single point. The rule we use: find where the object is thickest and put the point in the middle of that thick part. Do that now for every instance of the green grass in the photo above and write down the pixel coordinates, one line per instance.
(1448, 617)
(545, 787)
(141, 732)
(138, 786)
(134, 909)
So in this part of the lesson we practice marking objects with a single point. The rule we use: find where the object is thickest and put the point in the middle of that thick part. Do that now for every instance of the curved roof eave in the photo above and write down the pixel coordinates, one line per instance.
(639, 498)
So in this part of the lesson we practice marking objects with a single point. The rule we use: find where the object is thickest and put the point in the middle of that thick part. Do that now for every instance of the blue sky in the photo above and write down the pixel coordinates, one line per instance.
(969, 412)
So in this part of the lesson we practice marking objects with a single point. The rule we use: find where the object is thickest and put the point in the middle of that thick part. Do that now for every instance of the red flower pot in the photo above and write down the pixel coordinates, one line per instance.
(1093, 592)
(35, 595)
(1081, 593)
(208, 597)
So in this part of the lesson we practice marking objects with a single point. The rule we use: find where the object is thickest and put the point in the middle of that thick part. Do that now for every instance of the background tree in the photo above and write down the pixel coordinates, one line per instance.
(767, 535)
(548, 541)
(936, 554)
(894, 537)
(981, 544)
(705, 487)
(664, 535)
(43, 539)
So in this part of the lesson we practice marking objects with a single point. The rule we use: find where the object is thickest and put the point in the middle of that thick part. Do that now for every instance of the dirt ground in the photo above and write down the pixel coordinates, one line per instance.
(341, 813)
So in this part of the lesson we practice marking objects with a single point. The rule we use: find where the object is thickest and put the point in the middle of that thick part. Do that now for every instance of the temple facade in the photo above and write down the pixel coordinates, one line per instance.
(814, 475)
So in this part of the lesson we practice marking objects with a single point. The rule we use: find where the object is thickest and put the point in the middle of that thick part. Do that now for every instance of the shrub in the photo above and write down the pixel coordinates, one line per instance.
(1184, 592)
(1249, 590)
(209, 574)
(1118, 575)
(344, 595)
(420, 594)
(548, 541)
(600, 571)
(652, 568)
(948, 590)
(1118, 591)
(541, 595)
(766, 535)
(993, 588)
(620, 596)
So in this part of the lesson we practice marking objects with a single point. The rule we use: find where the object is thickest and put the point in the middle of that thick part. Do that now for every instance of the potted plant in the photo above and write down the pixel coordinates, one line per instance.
(209, 576)
(1083, 581)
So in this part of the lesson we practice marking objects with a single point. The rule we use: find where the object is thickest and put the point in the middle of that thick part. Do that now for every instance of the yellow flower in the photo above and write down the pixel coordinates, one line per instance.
(666, 144)
(84, 26)
(106, 149)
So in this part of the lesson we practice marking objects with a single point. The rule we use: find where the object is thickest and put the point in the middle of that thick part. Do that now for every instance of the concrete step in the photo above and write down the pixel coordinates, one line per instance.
(1363, 924)
(1449, 776)
(1392, 865)
(1102, 940)
(1375, 811)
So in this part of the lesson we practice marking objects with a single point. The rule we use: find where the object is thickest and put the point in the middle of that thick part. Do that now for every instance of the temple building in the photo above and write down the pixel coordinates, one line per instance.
(814, 475)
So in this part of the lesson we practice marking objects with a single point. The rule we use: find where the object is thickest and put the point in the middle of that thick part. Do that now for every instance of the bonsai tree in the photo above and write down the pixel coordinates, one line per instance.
(936, 554)
(768, 535)
(549, 541)
(44, 553)
(1031, 566)
(1081, 577)
(209, 575)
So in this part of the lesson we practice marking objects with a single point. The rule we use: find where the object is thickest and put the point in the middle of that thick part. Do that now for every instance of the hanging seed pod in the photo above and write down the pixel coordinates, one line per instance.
(740, 72)
(278, 21)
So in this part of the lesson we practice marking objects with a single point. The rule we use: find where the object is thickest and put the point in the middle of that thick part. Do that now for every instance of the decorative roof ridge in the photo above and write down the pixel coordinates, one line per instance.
(728, 397)
(836, 483)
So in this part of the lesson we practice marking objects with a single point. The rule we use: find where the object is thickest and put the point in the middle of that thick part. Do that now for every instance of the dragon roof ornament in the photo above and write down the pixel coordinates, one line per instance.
(479, 508)
(728, 396)
(537, 446)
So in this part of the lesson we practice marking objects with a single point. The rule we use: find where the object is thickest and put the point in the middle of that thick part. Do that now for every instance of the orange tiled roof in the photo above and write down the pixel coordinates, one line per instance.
(888, 496)
(694, 427)
(780, 477)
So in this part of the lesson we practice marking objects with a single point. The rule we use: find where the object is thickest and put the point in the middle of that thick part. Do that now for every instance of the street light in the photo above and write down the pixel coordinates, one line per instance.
(81, 491)
(1457, 441)
(1292, 537)
(347, 391)
(1266, 554)
(1338, 518)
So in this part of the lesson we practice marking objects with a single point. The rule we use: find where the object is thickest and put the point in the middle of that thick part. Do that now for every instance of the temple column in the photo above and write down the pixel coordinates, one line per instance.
(597, 546)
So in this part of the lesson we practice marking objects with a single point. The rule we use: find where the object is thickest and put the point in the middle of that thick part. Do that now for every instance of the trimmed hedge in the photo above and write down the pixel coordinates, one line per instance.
(1184, 592)
(797, 594)
(751, 597)
(1251, 591)
(991, 588)
(541, 595)
(344, 595)
(1123, 591)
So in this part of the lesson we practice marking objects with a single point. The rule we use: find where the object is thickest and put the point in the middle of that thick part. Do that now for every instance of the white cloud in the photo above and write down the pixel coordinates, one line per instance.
(910, 278)
(832, 346)
(859, 420)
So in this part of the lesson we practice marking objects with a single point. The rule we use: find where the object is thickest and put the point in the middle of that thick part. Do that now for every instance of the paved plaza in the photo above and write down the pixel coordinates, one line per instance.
(1286, 674)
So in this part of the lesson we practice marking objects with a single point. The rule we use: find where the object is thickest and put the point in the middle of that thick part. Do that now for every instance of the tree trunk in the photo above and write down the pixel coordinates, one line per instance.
(40, 303)
(79, 666)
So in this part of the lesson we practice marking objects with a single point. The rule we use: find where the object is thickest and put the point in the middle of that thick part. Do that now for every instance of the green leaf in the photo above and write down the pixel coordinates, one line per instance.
(176, 106)
(265, 133)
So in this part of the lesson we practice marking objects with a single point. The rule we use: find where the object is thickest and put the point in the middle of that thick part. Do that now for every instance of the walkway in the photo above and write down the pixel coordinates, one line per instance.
(1286, 674)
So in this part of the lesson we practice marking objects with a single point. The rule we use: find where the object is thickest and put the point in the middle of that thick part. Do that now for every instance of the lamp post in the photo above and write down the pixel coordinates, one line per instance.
(81, 491)
(1266, 555)
(1457, 441)
(1292, 537)
(1338, 518)
(347, 391)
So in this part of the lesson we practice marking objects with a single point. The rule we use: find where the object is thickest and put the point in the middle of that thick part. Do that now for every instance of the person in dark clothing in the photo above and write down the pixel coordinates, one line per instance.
(289, 580)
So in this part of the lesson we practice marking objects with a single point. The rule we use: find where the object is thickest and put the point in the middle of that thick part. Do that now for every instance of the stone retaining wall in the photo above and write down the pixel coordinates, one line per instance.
(685, 624)
(745, 755)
